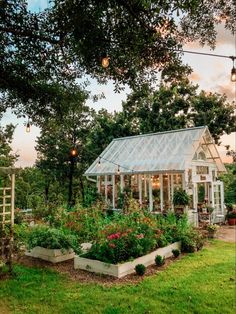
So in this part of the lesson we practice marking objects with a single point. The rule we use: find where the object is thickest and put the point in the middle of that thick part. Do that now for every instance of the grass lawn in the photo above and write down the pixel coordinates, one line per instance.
(198, 283)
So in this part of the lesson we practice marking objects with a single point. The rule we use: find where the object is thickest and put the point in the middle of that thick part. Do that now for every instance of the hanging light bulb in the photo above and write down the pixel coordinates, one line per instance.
(105, 61)
(73, 152)
(118, 170)
(233, 74)
(99, 162)
(27, 127)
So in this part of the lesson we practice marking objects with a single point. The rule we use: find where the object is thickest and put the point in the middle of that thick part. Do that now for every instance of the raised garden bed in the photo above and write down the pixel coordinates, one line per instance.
(51, 255)
(121, 270)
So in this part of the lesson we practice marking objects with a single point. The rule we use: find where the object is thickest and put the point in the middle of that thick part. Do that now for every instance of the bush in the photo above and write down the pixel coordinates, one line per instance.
(51, 238)
(140, 269)
(180, 197)
(176, 253)
(159, 260)
(191, 241)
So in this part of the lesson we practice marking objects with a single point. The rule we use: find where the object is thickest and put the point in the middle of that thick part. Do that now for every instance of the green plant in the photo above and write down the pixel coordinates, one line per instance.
(51, 238)
(212, 228)
(159, 260)
(180, 197)
(176, 252)
(140, 269)
(210, 209)
(231, 214)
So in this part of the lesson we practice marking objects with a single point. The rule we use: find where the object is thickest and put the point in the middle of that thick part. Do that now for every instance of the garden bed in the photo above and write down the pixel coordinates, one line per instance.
(121, 270)
(51, 255)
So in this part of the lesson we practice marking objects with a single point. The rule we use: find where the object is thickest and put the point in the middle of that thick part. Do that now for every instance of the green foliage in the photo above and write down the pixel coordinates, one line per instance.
(176, 253)
(51, 238)
(7, 158)
(191, 241)
(229, 180)
(180, 197)
(159, 260)
(140, 269)
(231, 214)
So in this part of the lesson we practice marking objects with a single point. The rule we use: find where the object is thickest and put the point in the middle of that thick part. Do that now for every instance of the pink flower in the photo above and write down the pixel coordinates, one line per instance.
(140, 236)
(114, 236)
(112, 245)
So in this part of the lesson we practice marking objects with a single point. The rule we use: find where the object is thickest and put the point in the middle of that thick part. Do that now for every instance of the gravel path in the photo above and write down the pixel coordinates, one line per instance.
(227, 233)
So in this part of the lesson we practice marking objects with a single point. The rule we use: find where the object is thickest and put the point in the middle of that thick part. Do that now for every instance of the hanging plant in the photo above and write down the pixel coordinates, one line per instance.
(180, 197)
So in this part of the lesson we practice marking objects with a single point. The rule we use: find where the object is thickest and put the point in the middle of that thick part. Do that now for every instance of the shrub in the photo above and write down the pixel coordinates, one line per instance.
(192, 240)
(51, 238)
(140, 269)
(231, 214)
(176, 252)
(180, 197)
(159, 260)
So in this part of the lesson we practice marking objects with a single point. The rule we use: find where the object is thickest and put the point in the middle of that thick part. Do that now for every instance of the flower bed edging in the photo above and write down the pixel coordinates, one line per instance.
(51, 255)
(121, 270)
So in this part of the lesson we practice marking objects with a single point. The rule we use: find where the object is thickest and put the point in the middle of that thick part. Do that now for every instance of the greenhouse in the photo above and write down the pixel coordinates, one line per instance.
(153, 166)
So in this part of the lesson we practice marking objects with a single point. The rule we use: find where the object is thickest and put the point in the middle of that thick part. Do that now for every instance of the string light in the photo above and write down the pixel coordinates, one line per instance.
(74, 152)
(27, 127)
(233, 75)
(105, 61)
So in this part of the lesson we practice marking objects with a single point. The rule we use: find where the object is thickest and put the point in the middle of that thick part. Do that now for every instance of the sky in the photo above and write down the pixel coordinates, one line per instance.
(210, 73)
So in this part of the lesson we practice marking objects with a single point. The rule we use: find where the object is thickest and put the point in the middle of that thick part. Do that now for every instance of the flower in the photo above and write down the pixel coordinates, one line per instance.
(114, 236)
(140, 236)
(112, 245)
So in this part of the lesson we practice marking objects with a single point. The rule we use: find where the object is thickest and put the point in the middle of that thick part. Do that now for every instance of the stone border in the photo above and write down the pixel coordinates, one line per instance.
(121, 270)
(51, 255)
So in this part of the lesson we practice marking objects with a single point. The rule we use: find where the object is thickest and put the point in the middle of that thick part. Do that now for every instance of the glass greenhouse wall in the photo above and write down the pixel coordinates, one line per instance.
(153, 166)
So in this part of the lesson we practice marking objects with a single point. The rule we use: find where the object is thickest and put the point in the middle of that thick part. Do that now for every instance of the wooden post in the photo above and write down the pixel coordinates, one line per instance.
(150, 194)
(106, 188)
(140, 188)
(99, 184)
(113, 190)
(121, 183)
(161, 191)
(172, 190)
(11, 242)
(145, 185)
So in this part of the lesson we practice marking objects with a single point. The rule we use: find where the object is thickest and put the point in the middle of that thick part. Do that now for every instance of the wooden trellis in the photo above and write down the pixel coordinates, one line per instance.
(7, 204)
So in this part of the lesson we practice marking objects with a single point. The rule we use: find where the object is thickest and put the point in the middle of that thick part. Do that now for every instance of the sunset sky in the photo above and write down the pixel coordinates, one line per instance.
(210, 73)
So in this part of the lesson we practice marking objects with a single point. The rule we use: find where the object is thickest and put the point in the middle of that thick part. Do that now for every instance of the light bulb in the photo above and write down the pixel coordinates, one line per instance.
(27, 127)
(73, 152)
(105, 62)
(233, 75)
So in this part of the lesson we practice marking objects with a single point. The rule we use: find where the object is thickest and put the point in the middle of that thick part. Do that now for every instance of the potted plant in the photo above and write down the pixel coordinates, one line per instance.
(212, 231)
(231, 217)
(180, 199)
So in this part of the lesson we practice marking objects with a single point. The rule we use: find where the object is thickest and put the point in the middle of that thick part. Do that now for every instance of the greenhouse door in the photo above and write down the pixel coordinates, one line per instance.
(218, 201)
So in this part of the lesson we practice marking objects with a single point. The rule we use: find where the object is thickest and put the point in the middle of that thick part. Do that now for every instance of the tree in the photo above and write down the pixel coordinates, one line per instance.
(58, 137)
(67, 40)
(177, 104)
(7, 158)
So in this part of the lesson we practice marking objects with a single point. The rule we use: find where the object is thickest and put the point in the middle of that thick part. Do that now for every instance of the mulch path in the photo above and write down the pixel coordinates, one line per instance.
(82, 276)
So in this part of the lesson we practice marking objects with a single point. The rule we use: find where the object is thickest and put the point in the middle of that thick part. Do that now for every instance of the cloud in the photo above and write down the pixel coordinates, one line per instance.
(227, 89)
(224, 37)
(194, 77)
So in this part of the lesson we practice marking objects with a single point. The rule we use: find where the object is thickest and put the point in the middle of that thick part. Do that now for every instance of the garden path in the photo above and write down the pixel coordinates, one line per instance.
(227, 233)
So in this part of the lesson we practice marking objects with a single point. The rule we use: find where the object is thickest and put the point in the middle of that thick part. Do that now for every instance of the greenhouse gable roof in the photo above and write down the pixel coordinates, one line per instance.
(156, 152)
